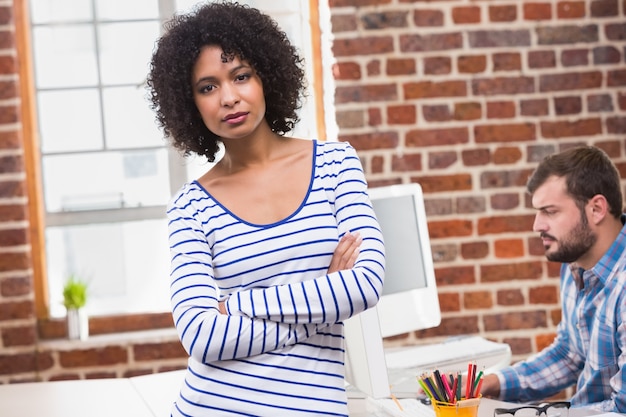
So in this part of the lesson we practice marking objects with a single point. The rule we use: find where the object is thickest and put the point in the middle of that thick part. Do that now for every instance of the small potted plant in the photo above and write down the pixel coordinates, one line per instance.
(74, 299)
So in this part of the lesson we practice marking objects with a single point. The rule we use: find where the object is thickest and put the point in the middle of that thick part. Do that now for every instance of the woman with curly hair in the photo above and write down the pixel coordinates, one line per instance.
(275, 245)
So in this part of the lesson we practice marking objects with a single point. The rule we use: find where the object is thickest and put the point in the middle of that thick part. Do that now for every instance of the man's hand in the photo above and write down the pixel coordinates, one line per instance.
(346, 252)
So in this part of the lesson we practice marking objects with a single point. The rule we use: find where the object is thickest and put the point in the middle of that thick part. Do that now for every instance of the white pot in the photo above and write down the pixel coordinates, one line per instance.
(77, 324)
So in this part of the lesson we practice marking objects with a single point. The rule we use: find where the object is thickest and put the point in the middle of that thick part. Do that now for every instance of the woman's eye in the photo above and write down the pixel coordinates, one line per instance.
(242, 77)
(206, 89)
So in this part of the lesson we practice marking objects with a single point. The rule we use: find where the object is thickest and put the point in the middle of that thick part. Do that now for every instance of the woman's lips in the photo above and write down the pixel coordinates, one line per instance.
(235, 118)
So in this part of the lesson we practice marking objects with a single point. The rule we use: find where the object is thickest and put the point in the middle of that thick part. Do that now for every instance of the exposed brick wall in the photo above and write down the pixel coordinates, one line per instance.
(461, 96)
(465, 97)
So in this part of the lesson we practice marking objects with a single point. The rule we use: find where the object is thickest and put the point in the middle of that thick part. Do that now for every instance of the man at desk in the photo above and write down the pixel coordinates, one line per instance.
(577, 195)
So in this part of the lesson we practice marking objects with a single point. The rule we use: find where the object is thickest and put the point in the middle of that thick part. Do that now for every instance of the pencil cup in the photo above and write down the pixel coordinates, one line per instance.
(461, 408)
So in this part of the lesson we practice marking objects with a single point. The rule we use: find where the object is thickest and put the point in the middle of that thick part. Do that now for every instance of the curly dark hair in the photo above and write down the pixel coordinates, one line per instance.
(240, 31)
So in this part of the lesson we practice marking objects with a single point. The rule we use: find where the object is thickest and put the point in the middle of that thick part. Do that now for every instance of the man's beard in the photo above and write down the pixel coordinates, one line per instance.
(575, 244)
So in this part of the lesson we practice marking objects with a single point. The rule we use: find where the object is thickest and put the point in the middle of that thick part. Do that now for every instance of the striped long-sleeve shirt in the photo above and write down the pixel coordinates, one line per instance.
(590, 347)
(279, 351)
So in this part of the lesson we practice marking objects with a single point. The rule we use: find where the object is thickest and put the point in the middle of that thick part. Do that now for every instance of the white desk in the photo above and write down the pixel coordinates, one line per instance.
(77, 398)
(142, 396)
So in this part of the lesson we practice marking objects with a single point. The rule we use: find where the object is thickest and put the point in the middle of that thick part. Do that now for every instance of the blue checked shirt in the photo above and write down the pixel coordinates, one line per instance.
(589, 349)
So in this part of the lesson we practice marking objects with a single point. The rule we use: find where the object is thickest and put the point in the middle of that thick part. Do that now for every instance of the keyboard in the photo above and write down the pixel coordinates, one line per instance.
(453, 353)
(410, 407)
(404, 365)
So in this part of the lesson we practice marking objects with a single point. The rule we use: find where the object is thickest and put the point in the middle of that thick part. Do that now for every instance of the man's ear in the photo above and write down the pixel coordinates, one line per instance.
(598, 208)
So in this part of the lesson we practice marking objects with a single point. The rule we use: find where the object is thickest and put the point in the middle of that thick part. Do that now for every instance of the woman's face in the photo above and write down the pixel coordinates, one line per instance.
(228, 94)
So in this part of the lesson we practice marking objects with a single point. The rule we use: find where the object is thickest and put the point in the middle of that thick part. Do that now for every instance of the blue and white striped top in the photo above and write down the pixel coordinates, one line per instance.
(590, 347)
(280, 350)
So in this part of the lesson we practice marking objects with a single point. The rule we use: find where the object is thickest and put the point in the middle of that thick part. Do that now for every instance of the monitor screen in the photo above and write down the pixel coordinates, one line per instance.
(409, 301)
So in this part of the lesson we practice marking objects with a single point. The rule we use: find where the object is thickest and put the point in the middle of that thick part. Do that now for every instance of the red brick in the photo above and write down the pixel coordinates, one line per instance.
(384, 20)
(350, 119)
(510, 271)
(604, 8)
(16, 286)
(347, 71)
(568, 105)
(429, 89)
(452, 326)
(12, 261)
(567, 35)
(504, 224)
(616, 78)
(506, 201)
(154, 351)
(359, 3)
(10, 189)
(621, 100)
(343, 23)
(507, 155)
(575, 57)
(510, 297)
(468, 111)
(362, 46)
(470, 204)
(476, 157)
(374, 116)
(505, 13)
(500, 109)
(437, 65)
(509, 248)
(437, 137)
(442, 159)
(616, 125)
(375, 140)
(519, 345)
(373, 68)
(402, 114)
(507, 61)
(8, 64)
(518, 132)
(406, 162)
(109, 355)
(600, 103)
(534, 107)
(436, 113)
(503, 85)
(13, 237)
(474, 250)
(544, 340)
(9, 114)
(541, 59)
(8, 90)
(18, 336)
(399, 66)
(465, 15)
(429, 43)
(499, 38)
(15, 310)
(450, 228)
(547, 294)
(566, 128)
(570, 9)
(18, 363)
(615, 31)
(474, 300)
(366, 93)
(449, 302)
(606, 55)
(472, 64)
(423, 17)
(537, 11)
(515, 321)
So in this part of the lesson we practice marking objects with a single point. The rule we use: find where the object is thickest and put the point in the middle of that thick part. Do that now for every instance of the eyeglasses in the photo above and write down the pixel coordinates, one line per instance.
(550, 409)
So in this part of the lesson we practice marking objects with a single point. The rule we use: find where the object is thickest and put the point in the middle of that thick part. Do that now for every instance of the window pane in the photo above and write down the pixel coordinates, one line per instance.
(69, 120)
(65, 56)
(125, 51)
(125, 264)
(128, 119)
(105, 180)
(122, 9)
(48, 11)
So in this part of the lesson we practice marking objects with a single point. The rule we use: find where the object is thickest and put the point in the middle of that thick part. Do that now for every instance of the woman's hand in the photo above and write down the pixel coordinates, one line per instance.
(346, 252)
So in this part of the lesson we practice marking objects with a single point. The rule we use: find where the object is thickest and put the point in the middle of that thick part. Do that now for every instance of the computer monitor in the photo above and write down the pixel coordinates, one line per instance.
(409, 301)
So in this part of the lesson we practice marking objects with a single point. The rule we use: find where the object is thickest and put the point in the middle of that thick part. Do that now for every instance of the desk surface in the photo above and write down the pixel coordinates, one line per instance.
(142, 396)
